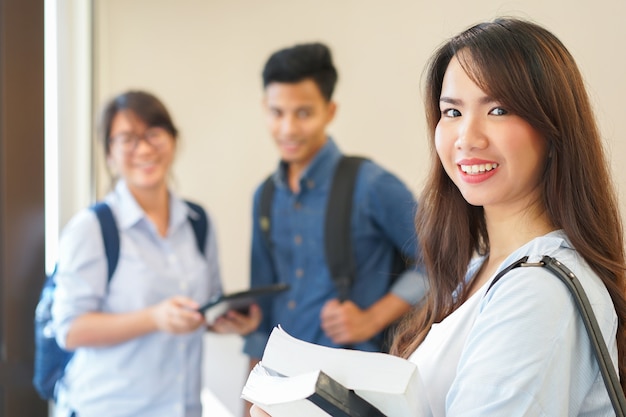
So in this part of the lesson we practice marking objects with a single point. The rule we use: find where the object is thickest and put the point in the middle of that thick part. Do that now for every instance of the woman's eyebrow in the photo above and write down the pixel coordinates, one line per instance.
(450, 100)
(458, 102)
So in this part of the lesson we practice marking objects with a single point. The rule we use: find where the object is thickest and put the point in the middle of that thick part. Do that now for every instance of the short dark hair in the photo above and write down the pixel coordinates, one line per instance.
(144, 105)
(299, 62)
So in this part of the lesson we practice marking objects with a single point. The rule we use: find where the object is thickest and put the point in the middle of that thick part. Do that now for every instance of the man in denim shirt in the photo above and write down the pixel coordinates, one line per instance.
(299, 83)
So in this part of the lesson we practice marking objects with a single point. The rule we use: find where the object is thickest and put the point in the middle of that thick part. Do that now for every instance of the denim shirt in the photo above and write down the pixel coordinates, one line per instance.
(382, 219)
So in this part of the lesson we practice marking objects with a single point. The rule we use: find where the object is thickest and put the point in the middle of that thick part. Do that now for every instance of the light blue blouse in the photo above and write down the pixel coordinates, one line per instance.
(521, 349)
(158, 374)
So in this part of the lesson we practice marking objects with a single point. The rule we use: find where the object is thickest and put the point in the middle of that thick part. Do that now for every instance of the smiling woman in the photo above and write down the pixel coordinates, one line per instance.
(144, 165)
(518, 171)
(478, 139)
(138, 336)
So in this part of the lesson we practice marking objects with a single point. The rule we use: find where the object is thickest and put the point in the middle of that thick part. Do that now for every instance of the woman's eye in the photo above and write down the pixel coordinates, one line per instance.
(450, 113)
(152, 133)
(498, 111)
(124, 138)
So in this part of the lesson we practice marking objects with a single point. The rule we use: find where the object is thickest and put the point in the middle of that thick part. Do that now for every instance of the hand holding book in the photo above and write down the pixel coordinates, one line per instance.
(309, 394)
(291, 375)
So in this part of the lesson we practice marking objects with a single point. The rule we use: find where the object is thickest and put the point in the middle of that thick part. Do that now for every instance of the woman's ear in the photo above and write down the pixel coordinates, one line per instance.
(111, 171)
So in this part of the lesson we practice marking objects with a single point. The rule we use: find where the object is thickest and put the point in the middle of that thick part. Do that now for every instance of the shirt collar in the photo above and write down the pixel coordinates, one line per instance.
(131, 213)
(317, 172)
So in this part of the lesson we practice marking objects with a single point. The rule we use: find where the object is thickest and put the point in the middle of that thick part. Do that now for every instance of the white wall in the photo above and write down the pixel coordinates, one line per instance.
(68, 80)
(204, 59)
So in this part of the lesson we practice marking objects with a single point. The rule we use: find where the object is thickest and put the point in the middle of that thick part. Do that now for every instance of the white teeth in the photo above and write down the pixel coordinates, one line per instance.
(477, 169)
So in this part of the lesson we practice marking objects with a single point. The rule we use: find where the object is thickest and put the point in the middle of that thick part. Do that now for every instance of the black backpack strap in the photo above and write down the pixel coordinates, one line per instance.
(199, 224)
(110, 236)
(600, 350)
(337, 228)
(265, 209)
(337, 236)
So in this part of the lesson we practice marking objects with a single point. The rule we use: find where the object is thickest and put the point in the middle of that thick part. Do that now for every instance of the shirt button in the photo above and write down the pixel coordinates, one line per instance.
(183, 286)
(310, 183)
(297, 239)
(291, 305)
(299, 272)
(297, 205)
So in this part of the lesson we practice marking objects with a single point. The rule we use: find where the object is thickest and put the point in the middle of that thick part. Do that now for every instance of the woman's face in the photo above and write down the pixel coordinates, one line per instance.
(494, 157)
(139, 154)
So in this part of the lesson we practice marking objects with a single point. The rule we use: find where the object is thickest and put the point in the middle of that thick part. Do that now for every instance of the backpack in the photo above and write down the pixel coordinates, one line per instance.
(50, 358)
(337, 228)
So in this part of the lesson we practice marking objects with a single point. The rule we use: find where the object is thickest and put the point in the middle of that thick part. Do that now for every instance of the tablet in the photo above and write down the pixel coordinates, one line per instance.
(239, 301)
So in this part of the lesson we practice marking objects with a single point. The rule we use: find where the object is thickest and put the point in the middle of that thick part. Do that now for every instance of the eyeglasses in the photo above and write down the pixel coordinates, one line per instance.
(128, 142)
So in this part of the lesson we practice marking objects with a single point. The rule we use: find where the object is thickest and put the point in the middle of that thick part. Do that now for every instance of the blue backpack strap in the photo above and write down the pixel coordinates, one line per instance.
(199, 223)
(110, 235)
(50, 360)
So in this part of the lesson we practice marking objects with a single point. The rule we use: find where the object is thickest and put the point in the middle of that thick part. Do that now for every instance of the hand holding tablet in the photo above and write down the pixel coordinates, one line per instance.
(239, 301)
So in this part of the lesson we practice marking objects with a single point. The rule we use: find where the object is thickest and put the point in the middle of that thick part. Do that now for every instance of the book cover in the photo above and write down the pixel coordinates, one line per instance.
(308, 395)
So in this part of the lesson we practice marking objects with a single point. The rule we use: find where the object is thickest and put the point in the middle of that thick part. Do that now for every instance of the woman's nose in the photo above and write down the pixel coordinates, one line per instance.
(471, 134)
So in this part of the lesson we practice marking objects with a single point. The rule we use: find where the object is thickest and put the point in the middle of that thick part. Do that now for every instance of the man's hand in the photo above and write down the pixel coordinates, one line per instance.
(345, 323)
(235, 322)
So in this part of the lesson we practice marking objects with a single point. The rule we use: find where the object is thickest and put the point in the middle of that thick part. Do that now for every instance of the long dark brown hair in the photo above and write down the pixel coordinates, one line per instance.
(528, 70)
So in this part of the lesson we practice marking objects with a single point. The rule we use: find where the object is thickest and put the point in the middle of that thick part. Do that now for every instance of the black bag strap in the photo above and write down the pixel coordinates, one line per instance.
(337, 228)
(337, 236)
(265, 210)
(600, 350)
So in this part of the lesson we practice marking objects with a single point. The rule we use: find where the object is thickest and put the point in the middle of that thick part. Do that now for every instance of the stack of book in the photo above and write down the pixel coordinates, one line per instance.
(297, 378)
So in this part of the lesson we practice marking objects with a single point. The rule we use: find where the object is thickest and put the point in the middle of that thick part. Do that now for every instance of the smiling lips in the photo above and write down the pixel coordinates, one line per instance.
(478, 169)
(476, 173)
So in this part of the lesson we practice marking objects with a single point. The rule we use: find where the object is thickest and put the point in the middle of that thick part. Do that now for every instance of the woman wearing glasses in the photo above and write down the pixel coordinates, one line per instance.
(137, 337)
